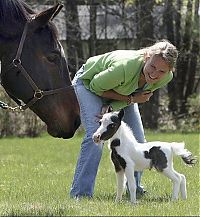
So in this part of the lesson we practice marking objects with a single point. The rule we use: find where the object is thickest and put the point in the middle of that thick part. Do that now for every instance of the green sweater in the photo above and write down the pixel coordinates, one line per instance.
(119, 71)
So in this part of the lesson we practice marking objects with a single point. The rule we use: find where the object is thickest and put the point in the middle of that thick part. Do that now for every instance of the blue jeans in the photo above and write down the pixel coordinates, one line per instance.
(90, 153)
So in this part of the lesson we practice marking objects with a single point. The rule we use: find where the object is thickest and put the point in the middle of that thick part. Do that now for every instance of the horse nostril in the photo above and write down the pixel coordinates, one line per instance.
(96, 138)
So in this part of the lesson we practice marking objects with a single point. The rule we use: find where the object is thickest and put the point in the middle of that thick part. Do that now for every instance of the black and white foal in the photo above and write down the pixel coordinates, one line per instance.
(128, 155)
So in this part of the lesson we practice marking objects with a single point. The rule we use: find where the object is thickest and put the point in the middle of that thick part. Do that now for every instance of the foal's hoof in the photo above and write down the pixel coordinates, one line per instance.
(174, 199)
(135, 203)
(117, 200)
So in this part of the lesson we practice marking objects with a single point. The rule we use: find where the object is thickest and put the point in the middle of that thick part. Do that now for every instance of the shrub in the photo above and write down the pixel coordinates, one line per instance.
(188, 122)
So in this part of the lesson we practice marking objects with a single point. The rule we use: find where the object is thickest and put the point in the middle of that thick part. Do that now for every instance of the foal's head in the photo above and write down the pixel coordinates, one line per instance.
(109, 124)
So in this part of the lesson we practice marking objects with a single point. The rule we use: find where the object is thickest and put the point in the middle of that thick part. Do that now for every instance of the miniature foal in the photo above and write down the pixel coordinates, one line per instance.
(128, 155)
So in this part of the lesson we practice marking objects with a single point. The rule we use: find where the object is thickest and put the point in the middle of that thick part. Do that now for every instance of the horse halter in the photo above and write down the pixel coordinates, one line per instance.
(38, 93)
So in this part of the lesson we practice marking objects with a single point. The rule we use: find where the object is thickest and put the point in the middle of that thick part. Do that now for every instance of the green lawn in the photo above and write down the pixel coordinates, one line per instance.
(36, 175)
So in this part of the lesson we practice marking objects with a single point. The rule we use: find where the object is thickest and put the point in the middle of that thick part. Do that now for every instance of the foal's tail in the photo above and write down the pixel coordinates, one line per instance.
(187, 157)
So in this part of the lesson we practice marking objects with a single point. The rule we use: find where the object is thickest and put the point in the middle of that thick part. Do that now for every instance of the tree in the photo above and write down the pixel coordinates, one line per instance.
(73, 37)
(192, 83)
(92, 39)
(186, 38)
(145, 37)
(169, 16)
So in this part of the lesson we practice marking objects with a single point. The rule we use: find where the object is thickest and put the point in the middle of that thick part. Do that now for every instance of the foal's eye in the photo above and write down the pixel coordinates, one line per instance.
(112, 125)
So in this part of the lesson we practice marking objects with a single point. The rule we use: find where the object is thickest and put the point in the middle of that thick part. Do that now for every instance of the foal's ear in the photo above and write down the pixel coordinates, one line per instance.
(109, 109)
(42, 18)
(121, 114)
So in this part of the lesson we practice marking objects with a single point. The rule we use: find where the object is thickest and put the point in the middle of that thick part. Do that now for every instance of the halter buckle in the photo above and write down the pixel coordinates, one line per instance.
(38, 94)
(16, 62)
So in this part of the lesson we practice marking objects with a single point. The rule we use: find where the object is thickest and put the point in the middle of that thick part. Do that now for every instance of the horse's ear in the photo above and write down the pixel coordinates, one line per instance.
(121, 114)
(59, 7)
(42, 18)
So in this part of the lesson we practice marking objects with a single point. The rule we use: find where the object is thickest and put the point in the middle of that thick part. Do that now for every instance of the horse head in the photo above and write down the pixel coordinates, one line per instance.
(33, 59)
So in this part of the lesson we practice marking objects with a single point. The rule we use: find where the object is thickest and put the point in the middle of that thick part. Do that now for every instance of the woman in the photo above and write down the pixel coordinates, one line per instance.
(121, 79)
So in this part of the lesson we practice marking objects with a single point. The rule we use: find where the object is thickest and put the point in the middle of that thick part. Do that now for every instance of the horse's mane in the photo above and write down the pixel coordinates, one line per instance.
(127, 132)
(14, 10)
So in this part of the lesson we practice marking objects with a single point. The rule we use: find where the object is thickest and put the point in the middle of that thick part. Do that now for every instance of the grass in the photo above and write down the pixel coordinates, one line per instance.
(36, 175)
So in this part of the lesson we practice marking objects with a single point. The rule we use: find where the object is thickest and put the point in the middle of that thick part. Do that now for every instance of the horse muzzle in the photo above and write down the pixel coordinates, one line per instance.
(97, 138)
(67, 132)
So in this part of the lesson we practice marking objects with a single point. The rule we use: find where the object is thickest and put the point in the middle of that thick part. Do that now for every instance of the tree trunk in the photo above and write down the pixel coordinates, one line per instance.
(92, 29)
(150, 111)
(168, 18)
(74, 45)
(183, 62)
(192, 72)
(145, 36)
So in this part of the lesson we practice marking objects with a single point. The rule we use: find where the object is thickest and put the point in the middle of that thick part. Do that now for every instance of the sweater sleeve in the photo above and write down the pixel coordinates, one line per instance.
(117, 105)
(108, 79)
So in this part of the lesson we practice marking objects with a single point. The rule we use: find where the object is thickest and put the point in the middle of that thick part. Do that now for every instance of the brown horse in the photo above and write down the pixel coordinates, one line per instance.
(33, 66)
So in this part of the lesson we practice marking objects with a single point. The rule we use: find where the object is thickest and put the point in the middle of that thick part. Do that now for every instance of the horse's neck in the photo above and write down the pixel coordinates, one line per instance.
(125, 134)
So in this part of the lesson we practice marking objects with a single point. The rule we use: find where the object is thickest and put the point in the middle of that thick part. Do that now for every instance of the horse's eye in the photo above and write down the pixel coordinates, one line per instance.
(52, 58)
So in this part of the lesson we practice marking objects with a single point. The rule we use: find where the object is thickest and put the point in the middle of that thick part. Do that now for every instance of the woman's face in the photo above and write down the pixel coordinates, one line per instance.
(155, 69)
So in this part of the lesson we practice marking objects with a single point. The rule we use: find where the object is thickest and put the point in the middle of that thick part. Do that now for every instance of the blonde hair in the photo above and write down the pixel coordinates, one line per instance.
(166, 50)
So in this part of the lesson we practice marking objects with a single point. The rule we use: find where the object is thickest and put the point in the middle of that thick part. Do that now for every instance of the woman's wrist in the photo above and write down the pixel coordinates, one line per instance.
(130, 99)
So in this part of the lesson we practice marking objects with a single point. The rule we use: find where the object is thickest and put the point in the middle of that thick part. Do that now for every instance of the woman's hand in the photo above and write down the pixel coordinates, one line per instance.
(141, 97)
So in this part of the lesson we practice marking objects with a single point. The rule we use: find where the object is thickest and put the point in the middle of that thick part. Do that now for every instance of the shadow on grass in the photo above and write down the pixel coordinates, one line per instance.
(105, 197)
(162, 198)
(146, 197)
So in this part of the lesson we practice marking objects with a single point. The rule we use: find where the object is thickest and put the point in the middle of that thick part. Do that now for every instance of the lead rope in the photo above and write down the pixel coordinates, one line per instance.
(5, 106)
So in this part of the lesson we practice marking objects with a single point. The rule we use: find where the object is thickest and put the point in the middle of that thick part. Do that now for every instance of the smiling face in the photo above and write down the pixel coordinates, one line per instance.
(155, 68)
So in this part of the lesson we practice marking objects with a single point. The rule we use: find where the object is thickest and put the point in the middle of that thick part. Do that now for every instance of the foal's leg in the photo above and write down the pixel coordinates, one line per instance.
(176, 179)
(120, 184)
(183, 187)
(129, 172)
